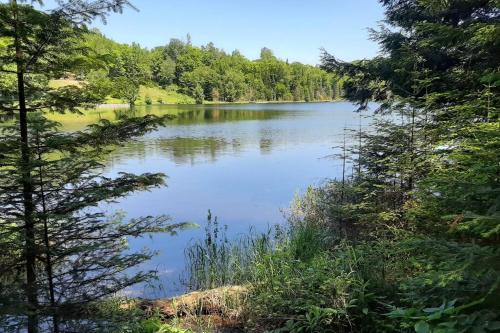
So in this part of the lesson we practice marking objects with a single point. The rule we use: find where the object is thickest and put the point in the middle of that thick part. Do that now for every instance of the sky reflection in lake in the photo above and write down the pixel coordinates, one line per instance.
(243, 162)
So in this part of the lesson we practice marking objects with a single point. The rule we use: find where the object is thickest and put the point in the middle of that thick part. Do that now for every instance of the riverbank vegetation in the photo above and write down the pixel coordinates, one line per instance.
(182, 73)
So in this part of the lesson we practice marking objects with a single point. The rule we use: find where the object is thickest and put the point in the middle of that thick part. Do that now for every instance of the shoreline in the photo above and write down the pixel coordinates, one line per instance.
(125, 105)
(223, 308)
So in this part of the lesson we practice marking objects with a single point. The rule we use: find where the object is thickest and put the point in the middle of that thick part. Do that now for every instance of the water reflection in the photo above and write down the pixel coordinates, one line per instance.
(210, 115)
(189, 150)
(244, 162)
(185, 114)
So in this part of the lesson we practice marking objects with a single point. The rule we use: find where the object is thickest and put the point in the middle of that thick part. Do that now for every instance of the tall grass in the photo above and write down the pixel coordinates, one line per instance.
(217, 261)
(293, 273)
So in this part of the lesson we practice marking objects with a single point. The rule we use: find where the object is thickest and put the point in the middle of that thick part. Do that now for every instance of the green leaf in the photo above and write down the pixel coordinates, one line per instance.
(434, 316)
(422, 327)
(431, 310)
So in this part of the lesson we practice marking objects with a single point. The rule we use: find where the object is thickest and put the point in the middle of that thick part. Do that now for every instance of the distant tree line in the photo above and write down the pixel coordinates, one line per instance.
(205, 73)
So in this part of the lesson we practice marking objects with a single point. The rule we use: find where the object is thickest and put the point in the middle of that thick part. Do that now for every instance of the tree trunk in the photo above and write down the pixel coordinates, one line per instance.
(48, 255)
(29, 223)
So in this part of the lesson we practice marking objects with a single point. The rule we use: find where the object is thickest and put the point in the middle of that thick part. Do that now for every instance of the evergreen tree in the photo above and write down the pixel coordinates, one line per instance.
(436, 79)
(79, 249)
(61, 255)
(429, 167)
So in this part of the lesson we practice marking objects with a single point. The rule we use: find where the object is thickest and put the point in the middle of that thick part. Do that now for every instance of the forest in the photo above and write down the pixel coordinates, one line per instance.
(406, 239)
(203, 73)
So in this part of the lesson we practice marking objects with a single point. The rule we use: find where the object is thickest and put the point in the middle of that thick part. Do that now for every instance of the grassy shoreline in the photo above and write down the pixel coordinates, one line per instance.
(170, 96)
(119, 105)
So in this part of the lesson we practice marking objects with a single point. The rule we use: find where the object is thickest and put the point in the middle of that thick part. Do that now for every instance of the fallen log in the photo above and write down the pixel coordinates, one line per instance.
(227, 301)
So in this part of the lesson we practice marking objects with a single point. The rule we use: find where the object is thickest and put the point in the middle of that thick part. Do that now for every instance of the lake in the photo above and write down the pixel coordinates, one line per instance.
(244, 162)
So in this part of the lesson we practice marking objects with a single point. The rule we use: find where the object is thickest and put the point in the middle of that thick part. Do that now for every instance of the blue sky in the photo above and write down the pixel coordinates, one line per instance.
(293, 29)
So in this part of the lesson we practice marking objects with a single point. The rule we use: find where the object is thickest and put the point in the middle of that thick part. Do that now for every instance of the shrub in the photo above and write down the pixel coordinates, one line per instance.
(312, 276)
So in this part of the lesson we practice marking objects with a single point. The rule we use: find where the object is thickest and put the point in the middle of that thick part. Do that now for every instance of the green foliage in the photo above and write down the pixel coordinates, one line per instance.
(446, 318)
(123, 315)
(62, 253)
(126, 89)
(199, 95)
(389, 284)
(66, 181)
(427, 178)
(290, 287)
(466, 178)
(408, 241)
(162, 68)
(208, 73)
(157, 326)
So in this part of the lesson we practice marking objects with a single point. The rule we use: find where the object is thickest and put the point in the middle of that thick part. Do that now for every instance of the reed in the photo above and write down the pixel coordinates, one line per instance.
(216, 260)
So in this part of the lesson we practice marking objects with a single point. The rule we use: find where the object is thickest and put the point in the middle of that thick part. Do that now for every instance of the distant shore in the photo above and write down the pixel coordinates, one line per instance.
(125, 105)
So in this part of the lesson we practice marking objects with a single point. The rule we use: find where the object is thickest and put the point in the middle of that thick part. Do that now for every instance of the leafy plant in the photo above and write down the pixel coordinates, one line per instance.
(447, 318)
(157, 326)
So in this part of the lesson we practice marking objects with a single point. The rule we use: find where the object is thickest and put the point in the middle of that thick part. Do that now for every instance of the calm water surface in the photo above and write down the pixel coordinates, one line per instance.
(243, 162)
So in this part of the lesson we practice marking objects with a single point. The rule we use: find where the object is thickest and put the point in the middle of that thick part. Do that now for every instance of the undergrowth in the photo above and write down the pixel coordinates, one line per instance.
(307, 276)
